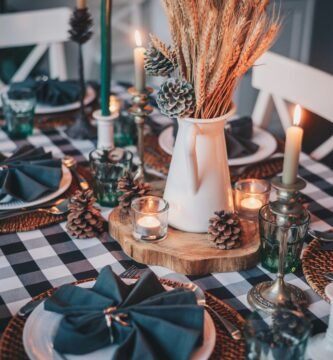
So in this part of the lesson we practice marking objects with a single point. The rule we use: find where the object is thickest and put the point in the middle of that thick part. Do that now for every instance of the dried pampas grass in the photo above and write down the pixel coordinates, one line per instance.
(215, 42)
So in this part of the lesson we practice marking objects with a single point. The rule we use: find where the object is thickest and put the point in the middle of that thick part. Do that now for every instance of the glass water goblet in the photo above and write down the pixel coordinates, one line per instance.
(19, 110)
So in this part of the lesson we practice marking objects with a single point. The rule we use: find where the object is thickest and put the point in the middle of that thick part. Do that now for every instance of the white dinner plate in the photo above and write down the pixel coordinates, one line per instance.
(48, 109)
(65, 182)
(266, 141)
(41, 327)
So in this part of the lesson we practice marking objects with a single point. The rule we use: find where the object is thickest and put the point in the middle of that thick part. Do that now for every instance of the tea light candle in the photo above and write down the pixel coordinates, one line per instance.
(149, 218)
(148, 226)
(251, 203)
(250, 196)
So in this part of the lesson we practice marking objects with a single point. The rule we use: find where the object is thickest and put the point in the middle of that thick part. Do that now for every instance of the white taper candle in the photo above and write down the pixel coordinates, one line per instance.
(139, 58)
(293, 149)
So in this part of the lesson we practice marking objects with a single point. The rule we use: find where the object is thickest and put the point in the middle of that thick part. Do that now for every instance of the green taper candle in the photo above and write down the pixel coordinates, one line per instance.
(106, 6)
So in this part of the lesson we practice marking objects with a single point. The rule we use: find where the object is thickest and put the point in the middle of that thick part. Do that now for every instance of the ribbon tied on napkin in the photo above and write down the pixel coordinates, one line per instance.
(141, 320)
(28, 174)
(52, 92)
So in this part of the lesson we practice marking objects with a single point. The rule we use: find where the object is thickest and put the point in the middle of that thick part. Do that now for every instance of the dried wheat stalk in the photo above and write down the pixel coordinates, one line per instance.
(215, 42)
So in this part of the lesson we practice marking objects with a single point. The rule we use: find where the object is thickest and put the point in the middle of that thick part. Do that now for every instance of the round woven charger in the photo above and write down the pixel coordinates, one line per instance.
(315, 264)
(11, 346)
(38, 220)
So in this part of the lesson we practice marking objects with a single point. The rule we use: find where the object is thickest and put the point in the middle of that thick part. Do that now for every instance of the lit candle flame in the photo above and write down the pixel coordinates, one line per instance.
(297, 115)
(114, 104)
(138, 39)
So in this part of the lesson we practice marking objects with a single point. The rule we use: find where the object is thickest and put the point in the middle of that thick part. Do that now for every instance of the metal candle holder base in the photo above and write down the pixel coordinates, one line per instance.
(140, 110)
(266, 296)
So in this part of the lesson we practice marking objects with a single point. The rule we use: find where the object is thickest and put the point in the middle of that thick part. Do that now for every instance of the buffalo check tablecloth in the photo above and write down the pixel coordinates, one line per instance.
(32, 262)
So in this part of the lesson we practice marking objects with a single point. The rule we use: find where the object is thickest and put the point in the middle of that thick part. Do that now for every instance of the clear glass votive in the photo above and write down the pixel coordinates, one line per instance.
(19, 110)
(107, 166)
(283, 336)
(250, 196)
(150, 218)
(269, 244)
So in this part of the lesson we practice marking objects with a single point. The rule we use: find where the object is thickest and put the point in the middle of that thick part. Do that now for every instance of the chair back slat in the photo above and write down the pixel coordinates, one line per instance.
(281, 80)
(47, 29)
(34, 27)
(295, 82)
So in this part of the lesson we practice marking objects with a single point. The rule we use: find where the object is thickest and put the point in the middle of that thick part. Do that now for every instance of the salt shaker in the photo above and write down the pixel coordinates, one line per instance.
(320, 346)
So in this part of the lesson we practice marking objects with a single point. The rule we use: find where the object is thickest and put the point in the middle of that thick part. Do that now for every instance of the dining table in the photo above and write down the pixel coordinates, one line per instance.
(32, 262)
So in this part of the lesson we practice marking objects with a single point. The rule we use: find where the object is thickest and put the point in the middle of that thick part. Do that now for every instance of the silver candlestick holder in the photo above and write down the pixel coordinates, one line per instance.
(287, 215)
(140, 111)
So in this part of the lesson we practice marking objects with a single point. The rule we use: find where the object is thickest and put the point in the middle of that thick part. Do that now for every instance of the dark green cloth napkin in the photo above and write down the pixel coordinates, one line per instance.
(238, 135)
(51, 91)
(160, 324)
(238, 138)
(28, 174)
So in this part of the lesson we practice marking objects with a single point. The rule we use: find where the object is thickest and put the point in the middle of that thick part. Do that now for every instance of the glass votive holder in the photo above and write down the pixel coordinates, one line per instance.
(250, 196)
(19, 110)
(269, 244)
(282, 336)
(107, 166)
(150, 218)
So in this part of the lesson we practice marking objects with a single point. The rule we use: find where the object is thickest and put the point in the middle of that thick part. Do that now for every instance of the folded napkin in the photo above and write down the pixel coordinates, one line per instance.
(326, 246)
(28, 174)
(51, 91)
(238, 135)
(143, 320)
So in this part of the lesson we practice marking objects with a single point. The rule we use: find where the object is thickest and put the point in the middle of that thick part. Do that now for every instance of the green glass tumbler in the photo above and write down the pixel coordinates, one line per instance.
(107, 166)
(125, 132)
(19, 110)
(283, 336)
(269, 245)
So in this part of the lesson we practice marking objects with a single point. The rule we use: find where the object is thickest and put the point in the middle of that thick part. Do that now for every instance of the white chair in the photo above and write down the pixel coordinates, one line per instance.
(281, 80)
(46, 29)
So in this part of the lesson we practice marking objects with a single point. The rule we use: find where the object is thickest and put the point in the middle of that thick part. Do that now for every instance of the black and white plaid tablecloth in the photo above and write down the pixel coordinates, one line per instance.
(32, 262)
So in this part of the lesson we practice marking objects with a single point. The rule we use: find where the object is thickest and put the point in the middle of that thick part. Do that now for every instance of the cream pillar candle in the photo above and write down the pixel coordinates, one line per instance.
(81, 4)
(293, 148)
(139, 57)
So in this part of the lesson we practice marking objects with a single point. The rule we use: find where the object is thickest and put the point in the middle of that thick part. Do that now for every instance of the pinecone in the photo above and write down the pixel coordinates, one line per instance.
(176, 98)
(225, 230)
(81, 23)
(156, 64)
(84, 220)
(131, 189)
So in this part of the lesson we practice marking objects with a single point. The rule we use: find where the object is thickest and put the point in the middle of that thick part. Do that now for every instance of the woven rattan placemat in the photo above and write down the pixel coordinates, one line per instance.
(315, 264)
(11, 346)
(38, 220)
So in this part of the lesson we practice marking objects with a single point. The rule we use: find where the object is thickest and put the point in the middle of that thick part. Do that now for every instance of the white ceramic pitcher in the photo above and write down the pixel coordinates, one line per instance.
(198, 182)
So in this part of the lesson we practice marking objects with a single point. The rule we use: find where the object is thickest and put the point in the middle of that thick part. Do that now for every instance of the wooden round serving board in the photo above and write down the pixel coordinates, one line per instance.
(186, 253)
